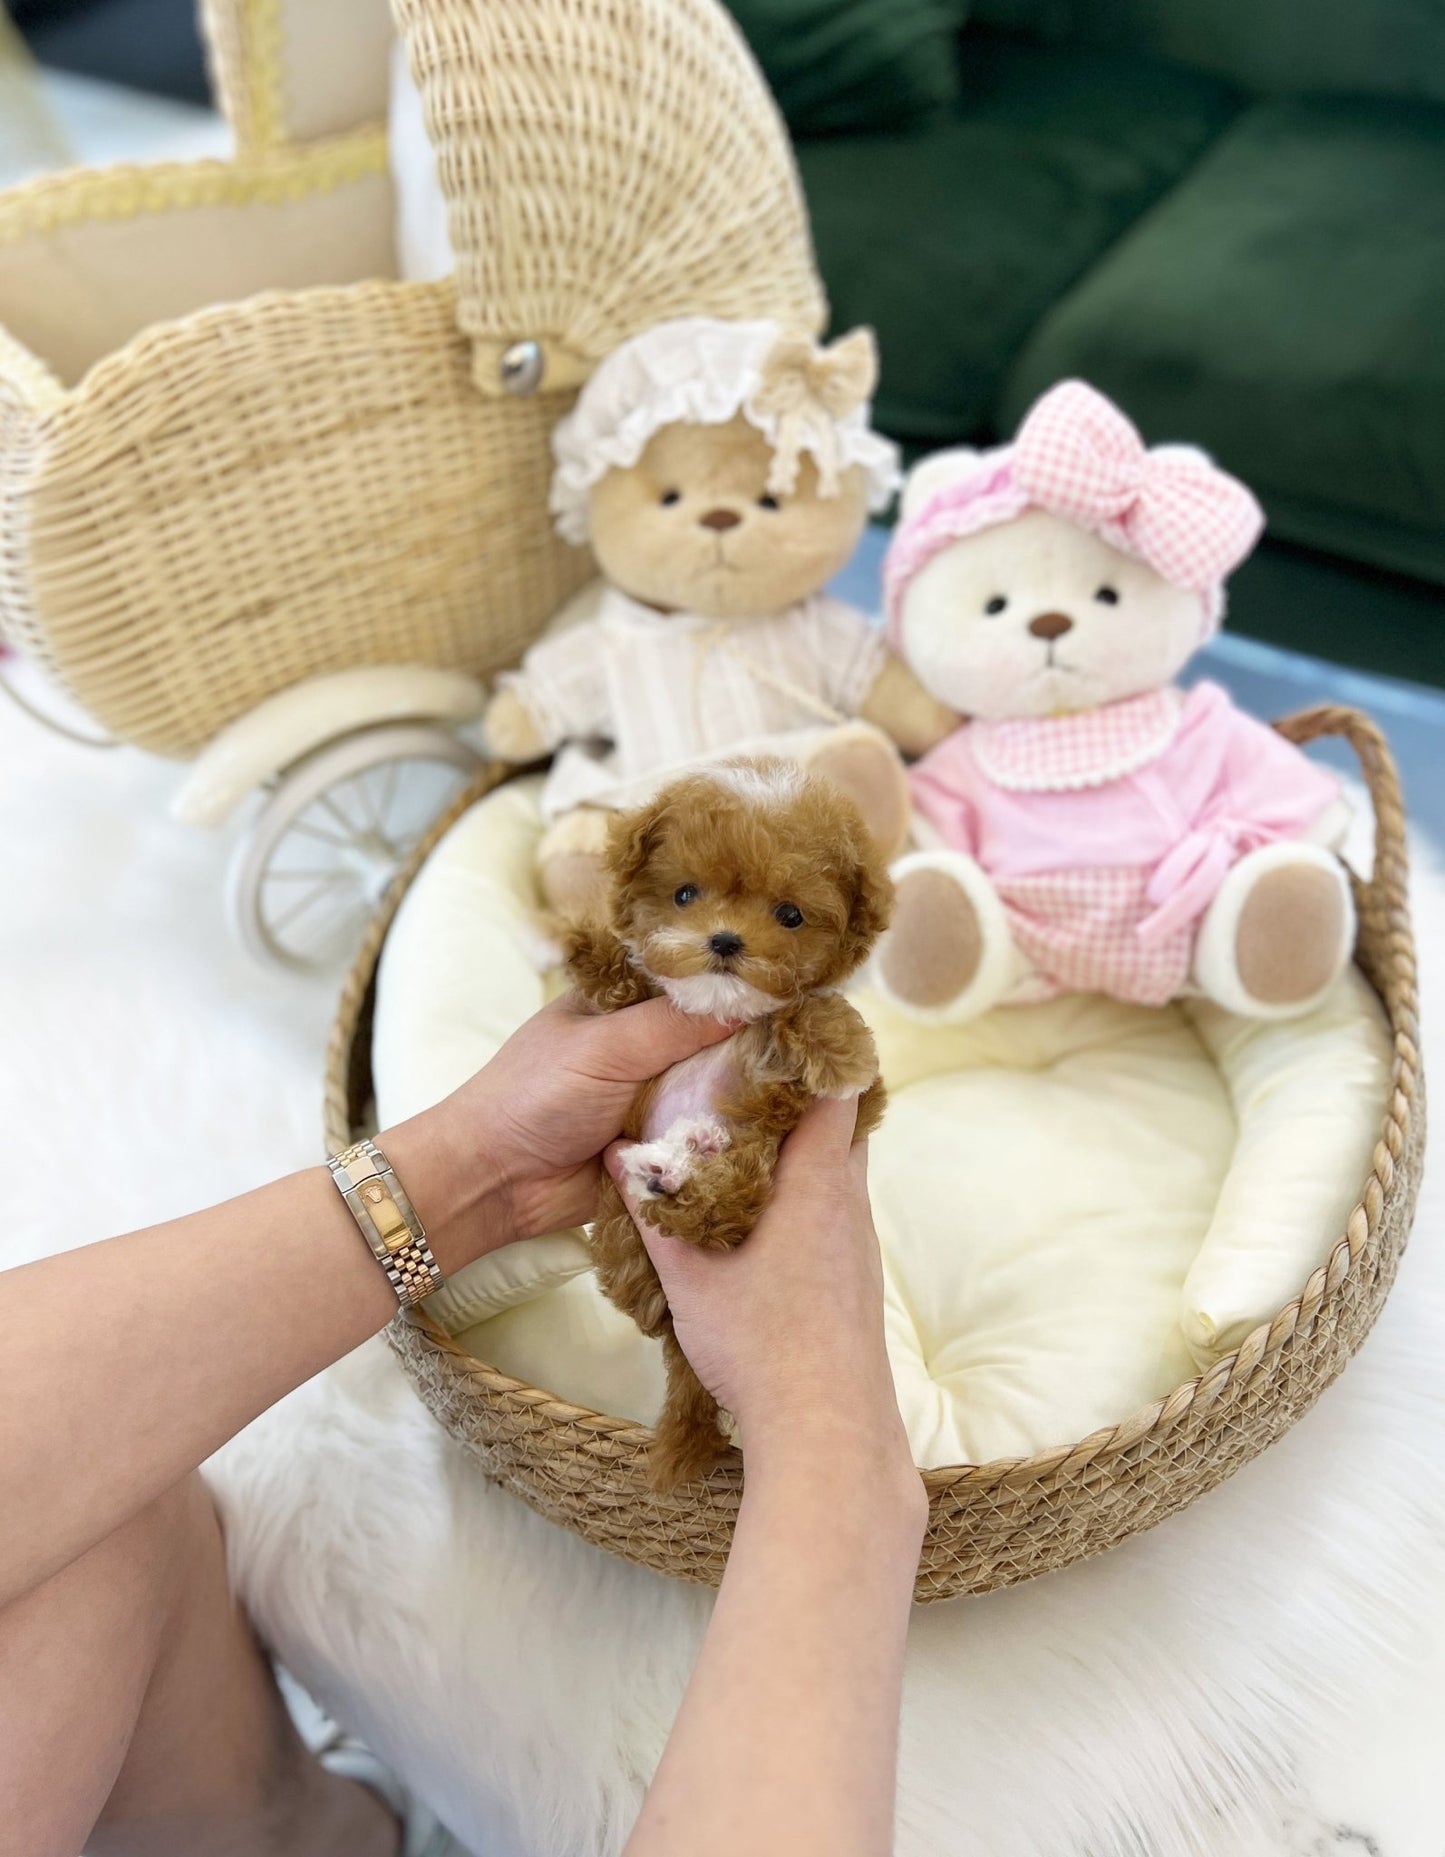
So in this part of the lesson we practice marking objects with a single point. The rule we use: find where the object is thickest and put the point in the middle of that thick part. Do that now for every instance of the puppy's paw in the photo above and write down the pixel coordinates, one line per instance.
(702, 1135)
(835, 1052)
(828, 1073)
(823, 1045)
(655, 1169)
(660, 1169)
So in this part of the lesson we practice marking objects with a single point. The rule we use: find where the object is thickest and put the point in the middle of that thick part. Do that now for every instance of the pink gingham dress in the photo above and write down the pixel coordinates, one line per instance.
(1108, 833)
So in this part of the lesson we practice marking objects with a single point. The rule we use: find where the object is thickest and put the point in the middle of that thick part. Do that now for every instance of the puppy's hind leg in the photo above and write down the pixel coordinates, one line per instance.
(871, 1105)
(625, 1274)
(690, 1439)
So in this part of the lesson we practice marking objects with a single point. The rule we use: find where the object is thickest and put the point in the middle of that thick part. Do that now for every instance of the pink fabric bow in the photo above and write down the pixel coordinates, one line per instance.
(1077, 455)
(1187, 879)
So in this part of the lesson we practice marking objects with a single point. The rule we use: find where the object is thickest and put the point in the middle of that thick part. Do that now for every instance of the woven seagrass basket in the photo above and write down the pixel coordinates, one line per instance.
(236, 452)
(993, 1524)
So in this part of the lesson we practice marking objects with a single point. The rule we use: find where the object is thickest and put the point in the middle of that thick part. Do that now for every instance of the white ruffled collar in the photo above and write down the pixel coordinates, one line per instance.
(1062, 754)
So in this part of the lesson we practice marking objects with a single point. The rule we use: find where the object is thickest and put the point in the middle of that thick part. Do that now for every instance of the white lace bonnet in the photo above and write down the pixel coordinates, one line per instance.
(701, 371)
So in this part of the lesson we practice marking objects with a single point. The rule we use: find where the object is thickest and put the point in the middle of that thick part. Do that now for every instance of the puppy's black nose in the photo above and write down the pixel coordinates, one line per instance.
(1051, 625)
(725, 944)
(720, 519)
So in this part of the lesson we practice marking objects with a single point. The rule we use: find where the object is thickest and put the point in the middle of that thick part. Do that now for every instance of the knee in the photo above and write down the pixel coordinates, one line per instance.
(81, 1650)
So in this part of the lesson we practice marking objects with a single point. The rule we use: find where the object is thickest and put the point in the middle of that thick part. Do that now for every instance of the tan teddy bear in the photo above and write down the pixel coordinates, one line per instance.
(723, 473)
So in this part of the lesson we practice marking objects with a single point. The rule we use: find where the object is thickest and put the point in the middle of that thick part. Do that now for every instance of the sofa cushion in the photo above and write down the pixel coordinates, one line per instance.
(840, 65)
(1284, 307)
(952, 242)
(1276, 47)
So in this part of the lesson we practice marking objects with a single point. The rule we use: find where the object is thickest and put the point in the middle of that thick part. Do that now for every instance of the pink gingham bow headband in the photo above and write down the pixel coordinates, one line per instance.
(1078, 457)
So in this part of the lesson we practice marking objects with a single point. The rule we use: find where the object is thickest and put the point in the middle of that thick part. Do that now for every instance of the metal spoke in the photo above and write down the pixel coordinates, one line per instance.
(315, 831)
(360, 784)
(295, 912)
(317, 876)
(388, 793)
(328, 800)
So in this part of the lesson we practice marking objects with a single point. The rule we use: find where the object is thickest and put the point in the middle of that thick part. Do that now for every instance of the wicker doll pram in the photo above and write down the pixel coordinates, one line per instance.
(236, 452)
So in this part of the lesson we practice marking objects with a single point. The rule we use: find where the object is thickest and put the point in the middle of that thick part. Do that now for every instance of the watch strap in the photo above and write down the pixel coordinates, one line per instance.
(387, 1220)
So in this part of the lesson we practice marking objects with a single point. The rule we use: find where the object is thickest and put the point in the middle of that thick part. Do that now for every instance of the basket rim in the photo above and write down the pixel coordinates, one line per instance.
(178, 187)
(1262, 1346)
(87, 194)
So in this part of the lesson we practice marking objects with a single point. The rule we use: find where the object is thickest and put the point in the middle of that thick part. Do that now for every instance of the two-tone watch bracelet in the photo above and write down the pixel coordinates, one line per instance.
(387, 1220)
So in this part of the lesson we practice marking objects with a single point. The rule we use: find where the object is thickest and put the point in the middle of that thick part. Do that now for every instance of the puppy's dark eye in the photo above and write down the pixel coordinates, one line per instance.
(669, 497)
(768, 502)
(789, 915)
(688, 893)
(995, 605)
(1107, 596)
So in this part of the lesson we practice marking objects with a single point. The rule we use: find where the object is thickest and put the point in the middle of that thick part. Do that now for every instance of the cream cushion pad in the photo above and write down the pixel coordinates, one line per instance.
(1079, 1203)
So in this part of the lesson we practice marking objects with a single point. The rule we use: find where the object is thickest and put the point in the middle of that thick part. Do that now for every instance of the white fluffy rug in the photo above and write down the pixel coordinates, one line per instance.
(1253, 1679)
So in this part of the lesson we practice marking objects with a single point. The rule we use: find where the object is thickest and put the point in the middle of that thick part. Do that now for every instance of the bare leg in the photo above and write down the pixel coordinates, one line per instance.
(139, 1716)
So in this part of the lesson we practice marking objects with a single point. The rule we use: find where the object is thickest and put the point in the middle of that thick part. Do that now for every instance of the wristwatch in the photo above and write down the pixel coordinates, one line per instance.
(387, 1220)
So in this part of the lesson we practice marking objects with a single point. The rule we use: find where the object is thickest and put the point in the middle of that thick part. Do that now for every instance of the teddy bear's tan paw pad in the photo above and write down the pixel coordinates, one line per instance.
(1290, 934)
(934, 948)
(866, 768)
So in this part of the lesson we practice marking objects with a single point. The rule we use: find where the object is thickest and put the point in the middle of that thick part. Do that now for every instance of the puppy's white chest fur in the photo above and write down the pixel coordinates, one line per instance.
(719, 996)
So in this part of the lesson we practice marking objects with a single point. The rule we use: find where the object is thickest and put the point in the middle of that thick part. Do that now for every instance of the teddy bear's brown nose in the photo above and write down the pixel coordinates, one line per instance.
(1051, 625)
(720, 519)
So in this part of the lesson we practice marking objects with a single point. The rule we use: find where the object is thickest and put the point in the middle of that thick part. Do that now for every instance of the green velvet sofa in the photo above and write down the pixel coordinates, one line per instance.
(1228, 214)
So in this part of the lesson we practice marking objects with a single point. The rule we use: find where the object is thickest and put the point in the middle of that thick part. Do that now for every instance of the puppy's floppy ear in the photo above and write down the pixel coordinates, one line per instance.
(871, 905)
(632, 837)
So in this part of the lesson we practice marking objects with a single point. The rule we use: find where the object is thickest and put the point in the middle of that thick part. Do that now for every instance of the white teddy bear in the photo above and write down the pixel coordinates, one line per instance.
(1094, 827)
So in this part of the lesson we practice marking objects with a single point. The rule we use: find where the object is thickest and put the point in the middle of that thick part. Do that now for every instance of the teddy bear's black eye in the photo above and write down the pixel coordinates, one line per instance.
(688, 893)
(1107, 596)
(669, 497)
(789, 915)
(996, 604)
(768, 502)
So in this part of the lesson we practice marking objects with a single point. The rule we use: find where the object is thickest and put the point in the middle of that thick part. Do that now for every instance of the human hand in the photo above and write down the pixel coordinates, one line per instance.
(786, 1331)
(515, 1151)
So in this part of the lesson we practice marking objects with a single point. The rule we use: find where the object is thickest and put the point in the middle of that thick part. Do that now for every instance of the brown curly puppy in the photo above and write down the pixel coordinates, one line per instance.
(748, 891)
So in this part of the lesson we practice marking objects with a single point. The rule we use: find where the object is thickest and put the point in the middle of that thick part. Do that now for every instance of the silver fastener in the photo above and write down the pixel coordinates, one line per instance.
(522, 367)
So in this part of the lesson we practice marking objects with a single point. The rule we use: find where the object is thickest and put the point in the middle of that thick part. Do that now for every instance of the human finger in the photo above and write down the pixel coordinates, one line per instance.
(822, 1139)
(644, 1040)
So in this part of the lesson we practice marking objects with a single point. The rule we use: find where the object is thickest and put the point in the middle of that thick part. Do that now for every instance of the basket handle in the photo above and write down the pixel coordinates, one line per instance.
(62, 729)
(1388, 884)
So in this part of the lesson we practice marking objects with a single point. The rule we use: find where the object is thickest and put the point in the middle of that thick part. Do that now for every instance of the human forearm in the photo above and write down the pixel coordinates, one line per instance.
(124, 1364)
(801, 1671)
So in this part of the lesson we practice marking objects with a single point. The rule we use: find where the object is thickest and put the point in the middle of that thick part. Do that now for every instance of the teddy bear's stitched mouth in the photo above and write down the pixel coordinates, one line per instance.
(1054, 663)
